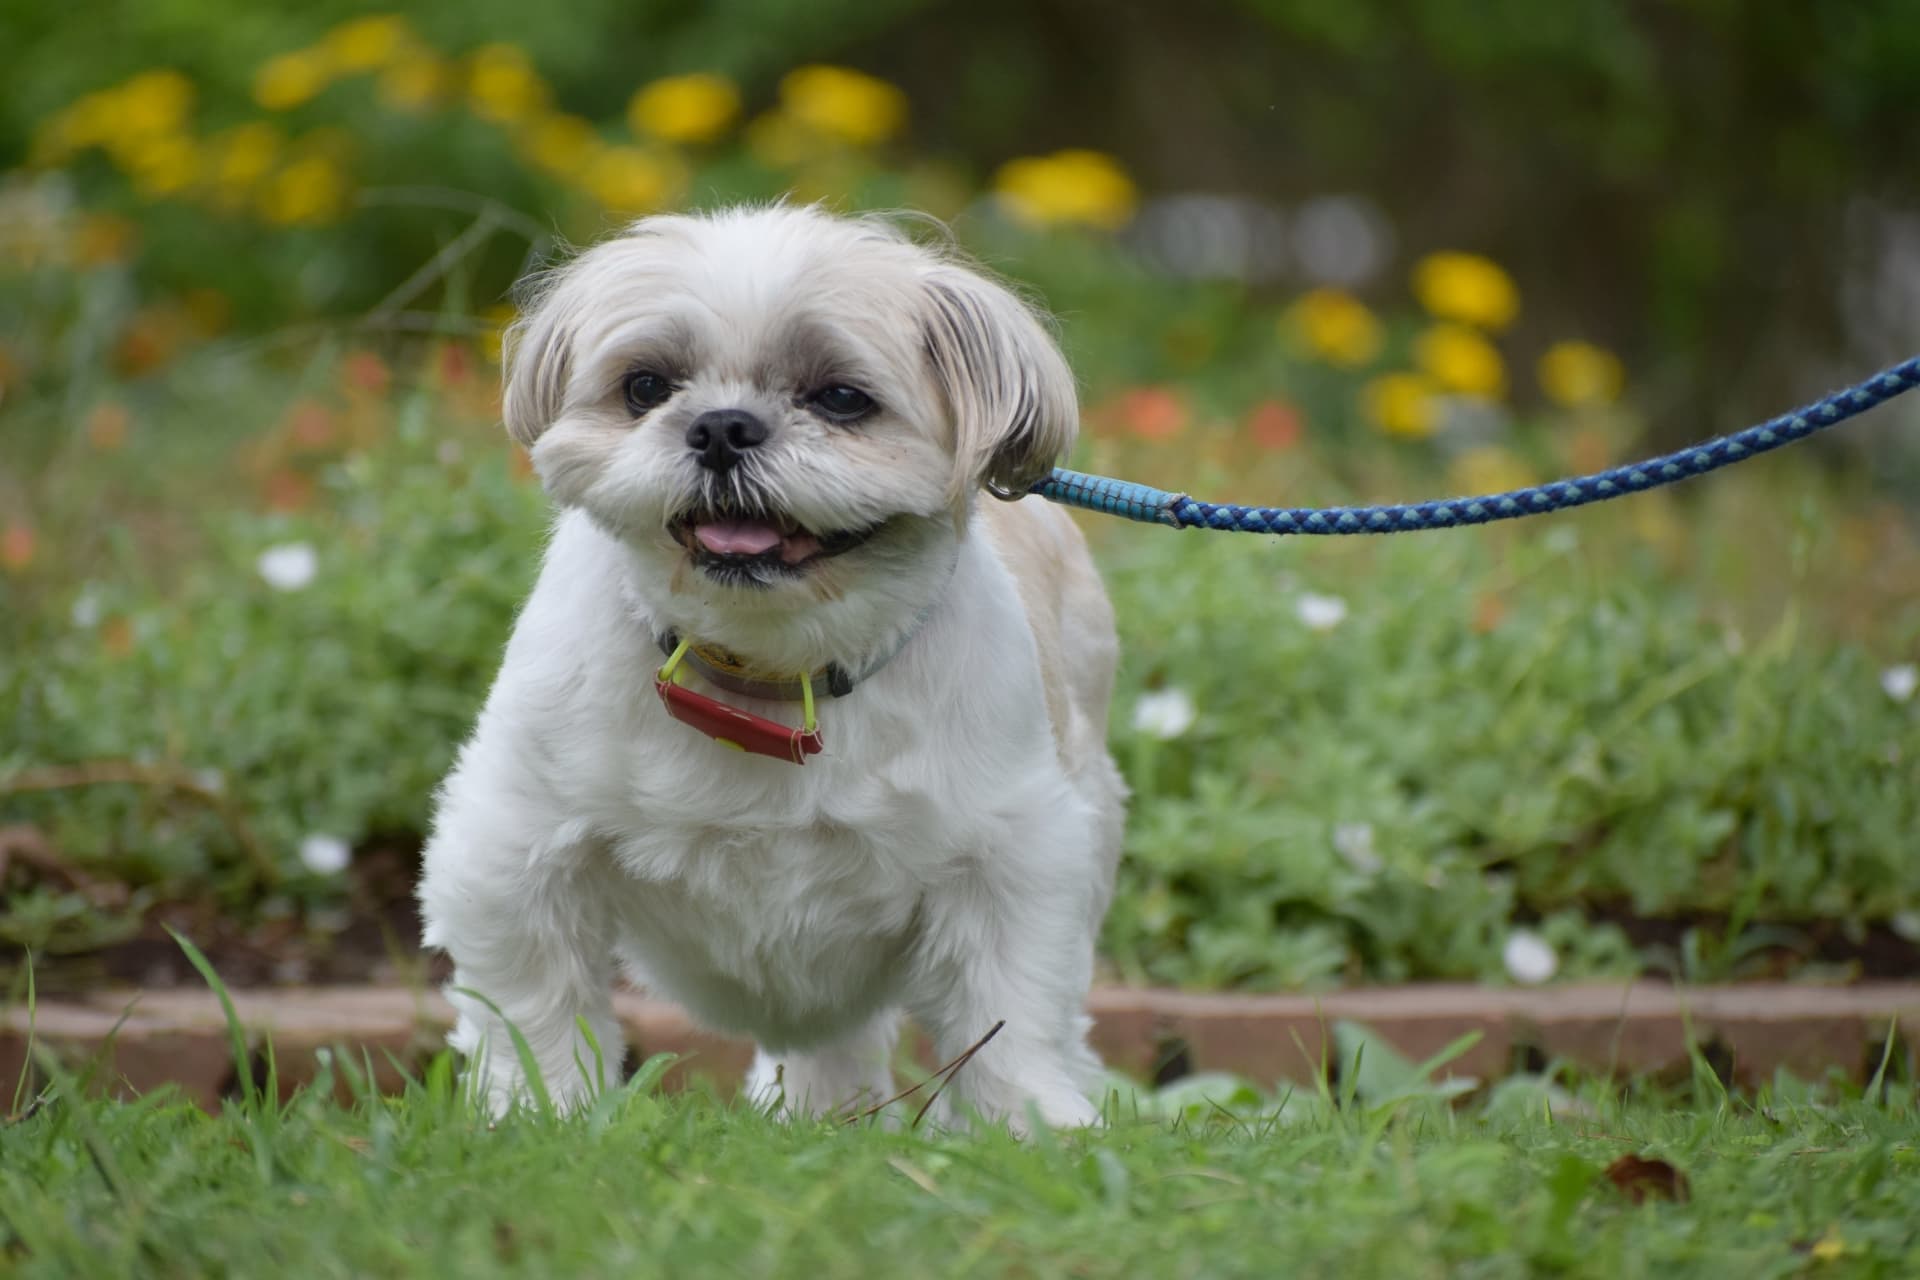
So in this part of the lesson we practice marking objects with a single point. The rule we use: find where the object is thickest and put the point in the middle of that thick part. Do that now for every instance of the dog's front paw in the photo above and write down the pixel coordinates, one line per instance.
(567, 1078)
(1055, 1111)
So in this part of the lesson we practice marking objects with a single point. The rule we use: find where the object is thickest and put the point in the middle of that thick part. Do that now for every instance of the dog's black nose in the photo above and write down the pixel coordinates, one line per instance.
(720, 436)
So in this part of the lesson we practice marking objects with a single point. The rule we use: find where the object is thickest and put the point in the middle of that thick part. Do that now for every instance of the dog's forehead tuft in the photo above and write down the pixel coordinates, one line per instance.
(783, 291)
(760, 261)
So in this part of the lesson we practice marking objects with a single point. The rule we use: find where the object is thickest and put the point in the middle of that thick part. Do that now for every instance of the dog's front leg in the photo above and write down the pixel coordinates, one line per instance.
(530, 937)
(1023, 958)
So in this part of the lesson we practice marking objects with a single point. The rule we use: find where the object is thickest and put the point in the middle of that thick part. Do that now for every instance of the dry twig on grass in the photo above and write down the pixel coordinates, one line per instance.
(944, 1075)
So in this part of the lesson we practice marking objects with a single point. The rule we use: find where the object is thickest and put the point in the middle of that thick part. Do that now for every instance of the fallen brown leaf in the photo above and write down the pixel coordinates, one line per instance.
(1640, 1180)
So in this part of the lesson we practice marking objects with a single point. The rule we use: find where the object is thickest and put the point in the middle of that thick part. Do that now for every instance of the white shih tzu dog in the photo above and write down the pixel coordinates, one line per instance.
(799, 728)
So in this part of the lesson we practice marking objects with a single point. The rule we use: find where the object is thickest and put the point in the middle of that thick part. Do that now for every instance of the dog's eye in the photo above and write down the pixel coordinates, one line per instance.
(844, 404)
(646, 390)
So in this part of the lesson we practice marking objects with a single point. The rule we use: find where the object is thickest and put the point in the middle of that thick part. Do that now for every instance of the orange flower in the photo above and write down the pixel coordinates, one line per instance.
(116, 637)
(452, 364)
(1153, 413)
(152, 338)
(287, 490)
(107, 426)
(1489, 610)
(310, 425)
(365, 373)
(1276, 425)
(104, 239)
(16, 546)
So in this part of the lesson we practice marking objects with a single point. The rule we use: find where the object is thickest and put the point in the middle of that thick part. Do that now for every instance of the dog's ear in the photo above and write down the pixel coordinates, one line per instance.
(1007, 386)
(535, 362)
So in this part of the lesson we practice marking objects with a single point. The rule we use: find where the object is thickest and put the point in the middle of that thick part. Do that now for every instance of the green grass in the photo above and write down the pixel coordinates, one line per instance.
(1793, 1183)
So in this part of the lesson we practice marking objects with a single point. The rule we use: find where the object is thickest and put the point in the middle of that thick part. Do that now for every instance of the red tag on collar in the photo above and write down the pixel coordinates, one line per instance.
(732, 727)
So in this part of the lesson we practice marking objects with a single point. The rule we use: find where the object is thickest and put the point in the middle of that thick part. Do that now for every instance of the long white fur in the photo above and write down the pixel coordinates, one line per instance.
(952, 853)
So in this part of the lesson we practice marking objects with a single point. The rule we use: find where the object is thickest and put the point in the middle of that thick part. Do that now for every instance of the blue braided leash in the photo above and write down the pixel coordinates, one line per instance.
(1157, 506)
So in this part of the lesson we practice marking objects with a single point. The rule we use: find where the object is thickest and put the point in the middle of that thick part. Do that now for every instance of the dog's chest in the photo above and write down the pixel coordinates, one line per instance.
(773, 931)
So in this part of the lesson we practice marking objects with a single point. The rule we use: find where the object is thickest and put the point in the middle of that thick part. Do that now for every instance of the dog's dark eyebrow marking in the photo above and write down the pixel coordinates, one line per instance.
(672, 350)
(808, 357)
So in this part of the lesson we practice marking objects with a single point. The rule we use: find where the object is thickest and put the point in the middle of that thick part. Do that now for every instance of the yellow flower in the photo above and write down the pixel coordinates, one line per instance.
(502, 85)
(290, 79)
(561, 144)
(1460, 360)
(1467, 288)
(1487, 468)
(365, 44)
(1074, 186)
(690, 108)
(779, 141)
(1402, 404)
(154, 102)
(162, 166)
(89, 121)
(1334, 326)
(312, 189)
(1575, 374)
(496, 317)
(845, 104)
(629, 180)
(239, 158)
(413, 82)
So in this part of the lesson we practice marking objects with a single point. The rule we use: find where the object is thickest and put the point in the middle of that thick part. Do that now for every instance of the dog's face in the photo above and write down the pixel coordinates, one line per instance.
(777, 409)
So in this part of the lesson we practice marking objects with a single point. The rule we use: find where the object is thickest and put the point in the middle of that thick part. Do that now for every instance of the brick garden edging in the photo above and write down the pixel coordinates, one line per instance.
(180, 1037)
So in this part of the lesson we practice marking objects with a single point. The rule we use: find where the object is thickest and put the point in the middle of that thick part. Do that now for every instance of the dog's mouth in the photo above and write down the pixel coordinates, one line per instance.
(732, 543)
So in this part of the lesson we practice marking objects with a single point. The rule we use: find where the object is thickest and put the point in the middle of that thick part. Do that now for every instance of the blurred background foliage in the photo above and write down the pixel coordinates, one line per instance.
(260, 537)
(1705, 185)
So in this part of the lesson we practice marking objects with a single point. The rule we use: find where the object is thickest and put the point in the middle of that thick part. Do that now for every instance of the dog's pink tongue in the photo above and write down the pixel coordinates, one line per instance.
(737, 537)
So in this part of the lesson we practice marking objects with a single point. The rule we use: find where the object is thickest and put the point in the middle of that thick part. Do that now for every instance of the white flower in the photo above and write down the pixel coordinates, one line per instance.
(289, 566)
(86, 609)
(1320, 613)
(1354, 842)
(325, 855)
(1528, 957)
(1901, 681)
(1341, 239)
(1164, 715)
(1211, 237)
